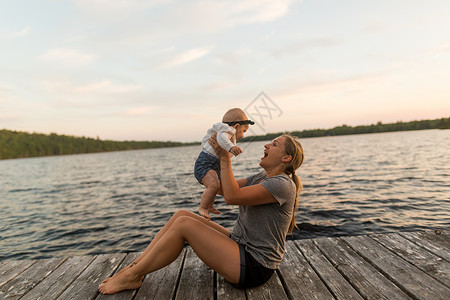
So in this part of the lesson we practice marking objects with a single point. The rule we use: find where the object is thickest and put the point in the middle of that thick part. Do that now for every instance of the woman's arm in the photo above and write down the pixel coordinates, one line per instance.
(241, 183)
(233, 192)
(236, 195)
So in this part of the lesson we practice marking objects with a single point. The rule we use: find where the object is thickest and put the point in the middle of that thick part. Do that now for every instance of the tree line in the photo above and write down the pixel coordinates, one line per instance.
(443, 123)
(17, 144)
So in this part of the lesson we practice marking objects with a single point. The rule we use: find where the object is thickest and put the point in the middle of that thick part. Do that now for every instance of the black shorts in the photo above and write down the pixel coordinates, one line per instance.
(204, 163)
(252, 272)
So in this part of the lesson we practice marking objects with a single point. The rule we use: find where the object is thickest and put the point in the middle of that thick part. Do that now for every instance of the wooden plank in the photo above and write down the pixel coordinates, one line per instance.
(431, 264)
(370, 283)
(162, 284)
(197, 280)
(438, 244)
(85, 287)
(127, 294)
(26, 280)
(336, 283)
(411, 279)
(272, 289)
(300, 279)
(52, 286)
(439, 235)
(10, 269)
(226, 291)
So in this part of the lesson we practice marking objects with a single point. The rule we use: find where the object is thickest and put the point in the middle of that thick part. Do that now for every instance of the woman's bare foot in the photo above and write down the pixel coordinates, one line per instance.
(109, 278)
(121, 281)
(127, 267)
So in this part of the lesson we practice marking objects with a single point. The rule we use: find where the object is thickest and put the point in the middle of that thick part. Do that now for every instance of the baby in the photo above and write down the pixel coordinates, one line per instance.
(207, 166)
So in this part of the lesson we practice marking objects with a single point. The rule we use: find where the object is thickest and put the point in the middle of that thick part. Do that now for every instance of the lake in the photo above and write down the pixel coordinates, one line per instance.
(117, 201)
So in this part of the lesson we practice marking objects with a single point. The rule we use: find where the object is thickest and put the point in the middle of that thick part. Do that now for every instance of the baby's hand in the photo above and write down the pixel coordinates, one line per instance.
(235, 150)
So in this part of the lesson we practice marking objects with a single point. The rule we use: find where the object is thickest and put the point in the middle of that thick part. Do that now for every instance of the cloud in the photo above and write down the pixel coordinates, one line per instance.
(9, 117)
(19, 33)
(375, 26)
(136, 111)
(234, 12)
(307, 43)
(208, 16)
(222, 85)
(68, 57)
(444, 48)
(113, 10)
(106, 87)
(66, 93)
(4, 88)
(327, 84)
(186, 57)
(254, 11)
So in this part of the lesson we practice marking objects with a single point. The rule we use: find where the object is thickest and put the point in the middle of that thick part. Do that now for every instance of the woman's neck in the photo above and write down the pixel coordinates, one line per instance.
(274, 172)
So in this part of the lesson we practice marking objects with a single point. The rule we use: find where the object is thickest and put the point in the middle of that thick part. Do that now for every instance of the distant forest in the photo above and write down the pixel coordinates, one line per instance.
(443, 123)
(17, 144)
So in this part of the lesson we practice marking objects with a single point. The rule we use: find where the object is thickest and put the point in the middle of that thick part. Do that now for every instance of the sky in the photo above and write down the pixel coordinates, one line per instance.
(168, 70)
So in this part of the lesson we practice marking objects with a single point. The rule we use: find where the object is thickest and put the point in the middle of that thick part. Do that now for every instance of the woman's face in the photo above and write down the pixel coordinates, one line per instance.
(273, 153)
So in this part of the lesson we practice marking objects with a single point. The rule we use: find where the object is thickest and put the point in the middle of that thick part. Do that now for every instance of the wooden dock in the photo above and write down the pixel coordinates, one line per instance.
(406, 265)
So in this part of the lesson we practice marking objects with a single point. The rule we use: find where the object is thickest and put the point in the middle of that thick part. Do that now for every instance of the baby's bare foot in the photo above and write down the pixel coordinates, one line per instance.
(120, 282)
(204, 212)
(214, 210)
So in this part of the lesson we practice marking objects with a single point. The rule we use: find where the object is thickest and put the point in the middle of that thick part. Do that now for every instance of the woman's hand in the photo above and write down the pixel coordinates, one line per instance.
(217, 148)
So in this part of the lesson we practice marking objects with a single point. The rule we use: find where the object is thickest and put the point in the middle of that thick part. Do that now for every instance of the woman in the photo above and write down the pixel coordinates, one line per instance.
(248, 255)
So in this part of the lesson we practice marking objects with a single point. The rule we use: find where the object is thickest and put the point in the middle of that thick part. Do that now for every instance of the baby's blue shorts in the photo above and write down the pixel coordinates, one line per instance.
(204, 163)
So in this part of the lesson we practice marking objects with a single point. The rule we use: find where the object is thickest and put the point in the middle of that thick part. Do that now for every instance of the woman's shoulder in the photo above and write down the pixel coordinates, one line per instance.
(281, 187)
(281, 179)
(255, 178)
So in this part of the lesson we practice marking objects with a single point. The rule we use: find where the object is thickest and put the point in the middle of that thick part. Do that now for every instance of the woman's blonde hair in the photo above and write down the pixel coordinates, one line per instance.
(295, 150)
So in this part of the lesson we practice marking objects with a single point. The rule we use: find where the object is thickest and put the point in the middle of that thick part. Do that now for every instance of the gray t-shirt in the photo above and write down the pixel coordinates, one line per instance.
(262, 229)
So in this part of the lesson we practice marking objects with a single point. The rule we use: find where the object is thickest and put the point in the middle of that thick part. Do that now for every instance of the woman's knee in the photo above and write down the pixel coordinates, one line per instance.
(181, 213)
(183, 223)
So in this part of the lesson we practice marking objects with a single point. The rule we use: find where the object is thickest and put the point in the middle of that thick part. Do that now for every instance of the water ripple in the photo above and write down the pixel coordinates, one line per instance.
(116, 202)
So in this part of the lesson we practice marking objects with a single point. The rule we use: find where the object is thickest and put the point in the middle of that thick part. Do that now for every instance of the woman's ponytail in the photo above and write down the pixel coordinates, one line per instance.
(295, 150)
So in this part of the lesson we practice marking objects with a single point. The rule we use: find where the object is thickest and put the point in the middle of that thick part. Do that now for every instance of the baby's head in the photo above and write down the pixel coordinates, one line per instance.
(236, 118)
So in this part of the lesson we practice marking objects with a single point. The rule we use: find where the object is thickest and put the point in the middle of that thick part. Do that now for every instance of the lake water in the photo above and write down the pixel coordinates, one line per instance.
(117, 201)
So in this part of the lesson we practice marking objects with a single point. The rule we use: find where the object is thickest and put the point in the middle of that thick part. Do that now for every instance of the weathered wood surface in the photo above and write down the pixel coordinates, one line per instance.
(410, 265)
(335, 282)
(433, 265)
(410, 279)
(366, 279)
(196, 279)
(300, 277)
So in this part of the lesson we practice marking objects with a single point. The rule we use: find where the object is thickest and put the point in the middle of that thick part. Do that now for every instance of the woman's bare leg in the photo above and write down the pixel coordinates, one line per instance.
(180, 213)
(215, 249)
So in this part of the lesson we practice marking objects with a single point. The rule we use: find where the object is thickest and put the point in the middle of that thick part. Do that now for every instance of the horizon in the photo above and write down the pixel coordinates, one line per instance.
(167, 70)
(198, 141)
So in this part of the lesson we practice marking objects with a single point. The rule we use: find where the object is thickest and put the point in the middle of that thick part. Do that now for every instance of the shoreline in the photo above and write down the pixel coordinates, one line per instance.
(249, 139)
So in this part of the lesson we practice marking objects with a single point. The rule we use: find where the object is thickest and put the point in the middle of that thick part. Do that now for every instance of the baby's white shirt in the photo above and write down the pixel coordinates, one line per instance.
(225, 132)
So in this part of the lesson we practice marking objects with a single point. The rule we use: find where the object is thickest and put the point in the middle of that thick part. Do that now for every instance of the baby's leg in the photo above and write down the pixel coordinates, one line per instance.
(212, 184)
